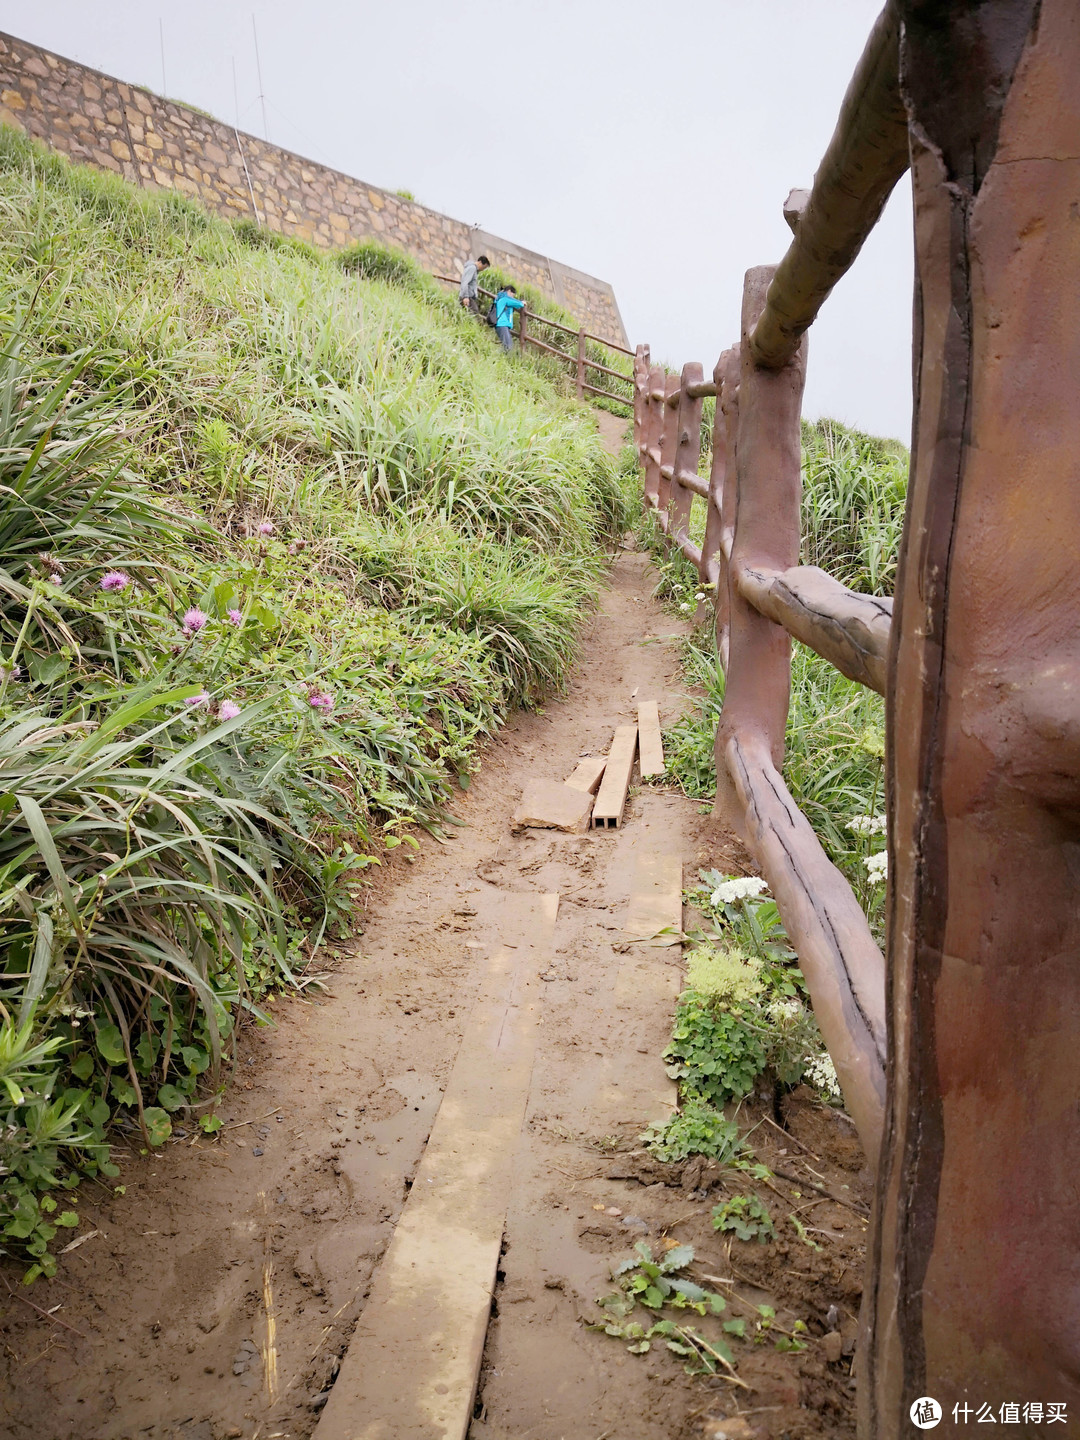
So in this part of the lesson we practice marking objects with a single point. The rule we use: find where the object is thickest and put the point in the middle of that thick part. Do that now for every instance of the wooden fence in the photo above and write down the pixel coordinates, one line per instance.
(956, 1050)
(579, 362)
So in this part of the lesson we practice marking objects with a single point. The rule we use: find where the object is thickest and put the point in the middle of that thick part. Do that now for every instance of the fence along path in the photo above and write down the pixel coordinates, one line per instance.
(956, 1051)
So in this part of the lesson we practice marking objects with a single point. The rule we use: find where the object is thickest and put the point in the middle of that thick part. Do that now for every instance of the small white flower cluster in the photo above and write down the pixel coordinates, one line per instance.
(877, 867)
(781, 1010)
(738, 888)
(867, 825)
(821, 1072)
(684, 606)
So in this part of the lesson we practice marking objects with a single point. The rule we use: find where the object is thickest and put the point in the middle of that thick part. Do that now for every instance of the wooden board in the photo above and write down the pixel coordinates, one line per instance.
(655, 898)
(588, 773)
(411, 1369)
(611, 797)
(649, 742)
(551, 805)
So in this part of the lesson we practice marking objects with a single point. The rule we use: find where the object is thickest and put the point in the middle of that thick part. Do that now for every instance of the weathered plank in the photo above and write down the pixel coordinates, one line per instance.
(607, 812)
(411, 1369)
(588, 773)
(655, 897)
(650, 745)
(551, 805)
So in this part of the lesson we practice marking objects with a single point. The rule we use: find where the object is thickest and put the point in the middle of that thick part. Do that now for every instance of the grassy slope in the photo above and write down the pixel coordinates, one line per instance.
(335, 509)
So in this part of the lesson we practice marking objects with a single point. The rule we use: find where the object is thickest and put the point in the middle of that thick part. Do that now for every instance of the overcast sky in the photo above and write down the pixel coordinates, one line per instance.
(652, 146)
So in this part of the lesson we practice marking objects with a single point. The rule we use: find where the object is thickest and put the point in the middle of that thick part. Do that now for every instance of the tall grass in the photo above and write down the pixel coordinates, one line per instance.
(281, 538)
(854, 487)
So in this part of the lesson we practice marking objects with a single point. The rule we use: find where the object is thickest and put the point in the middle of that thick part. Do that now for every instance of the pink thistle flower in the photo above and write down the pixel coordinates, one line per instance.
(320, 700)
(202, 698)
(56, 578)
(115, 580)
(236, 617)
(228, 710)
(266, 528)
(194, 619)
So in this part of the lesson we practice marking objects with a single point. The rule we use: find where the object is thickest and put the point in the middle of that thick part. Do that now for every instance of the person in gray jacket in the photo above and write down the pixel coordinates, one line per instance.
(468, 294)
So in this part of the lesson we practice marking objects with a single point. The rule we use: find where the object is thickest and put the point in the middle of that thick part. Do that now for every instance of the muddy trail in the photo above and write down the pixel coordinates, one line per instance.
(214, 1294)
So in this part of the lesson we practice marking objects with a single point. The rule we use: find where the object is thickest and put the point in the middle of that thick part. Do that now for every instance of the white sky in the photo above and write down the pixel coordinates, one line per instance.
(652, 146)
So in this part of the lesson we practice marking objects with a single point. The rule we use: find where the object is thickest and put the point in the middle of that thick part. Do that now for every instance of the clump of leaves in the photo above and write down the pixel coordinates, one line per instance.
(34, 1129)
(746, 1217)
(744, 1014)
(714, 1054)
(654, 1282)
(724, 974)
(695, 1129)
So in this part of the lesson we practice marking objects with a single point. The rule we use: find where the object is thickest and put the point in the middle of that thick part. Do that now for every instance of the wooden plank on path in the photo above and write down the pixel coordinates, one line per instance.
(551, 805)
(650, 744)
(411, 1369)
(611, 797)
(655, 898)
(587, 773)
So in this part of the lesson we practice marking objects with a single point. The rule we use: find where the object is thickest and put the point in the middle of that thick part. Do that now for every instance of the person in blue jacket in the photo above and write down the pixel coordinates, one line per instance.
(506, 302)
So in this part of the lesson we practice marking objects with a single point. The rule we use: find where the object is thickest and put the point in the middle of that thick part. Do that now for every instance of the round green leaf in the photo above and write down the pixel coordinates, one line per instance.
(158, 1125)
(111, 1044)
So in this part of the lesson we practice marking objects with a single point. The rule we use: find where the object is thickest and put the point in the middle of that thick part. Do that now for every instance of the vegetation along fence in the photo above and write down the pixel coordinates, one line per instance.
(957, 1050)
(579, 359)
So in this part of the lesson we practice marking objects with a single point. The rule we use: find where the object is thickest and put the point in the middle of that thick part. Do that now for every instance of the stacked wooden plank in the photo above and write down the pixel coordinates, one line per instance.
(551, 805)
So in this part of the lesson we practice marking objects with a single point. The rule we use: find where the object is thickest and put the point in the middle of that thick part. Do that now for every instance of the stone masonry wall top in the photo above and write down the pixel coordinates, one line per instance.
(100, 121)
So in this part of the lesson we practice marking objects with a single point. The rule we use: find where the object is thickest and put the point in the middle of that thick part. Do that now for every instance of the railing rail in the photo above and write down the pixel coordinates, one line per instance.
(954, 1068)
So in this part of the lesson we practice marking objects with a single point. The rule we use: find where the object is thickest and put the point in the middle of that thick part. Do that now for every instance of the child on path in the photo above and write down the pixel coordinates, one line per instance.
(505, 305)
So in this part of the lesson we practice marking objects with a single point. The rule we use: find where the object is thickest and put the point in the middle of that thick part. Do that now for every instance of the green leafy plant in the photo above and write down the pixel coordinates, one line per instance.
(696, 1128)
(35, 1128)
(714, 1053)
(656, 1284)
(746, 1217)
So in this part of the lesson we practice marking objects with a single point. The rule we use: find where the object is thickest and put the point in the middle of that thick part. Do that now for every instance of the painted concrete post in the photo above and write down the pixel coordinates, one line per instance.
(973, 1291)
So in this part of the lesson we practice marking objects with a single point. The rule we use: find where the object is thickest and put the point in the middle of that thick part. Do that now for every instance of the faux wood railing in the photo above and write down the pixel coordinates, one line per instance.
(957, 1050)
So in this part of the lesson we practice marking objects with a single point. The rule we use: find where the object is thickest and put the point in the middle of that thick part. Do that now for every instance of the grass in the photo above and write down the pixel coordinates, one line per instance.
(282, 537)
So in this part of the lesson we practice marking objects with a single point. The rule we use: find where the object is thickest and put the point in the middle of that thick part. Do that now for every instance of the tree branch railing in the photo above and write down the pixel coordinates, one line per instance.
(956, 1056)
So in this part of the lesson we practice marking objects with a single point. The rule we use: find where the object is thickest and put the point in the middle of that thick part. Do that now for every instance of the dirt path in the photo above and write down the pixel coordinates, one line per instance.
(331, 1109)
(163, 1314)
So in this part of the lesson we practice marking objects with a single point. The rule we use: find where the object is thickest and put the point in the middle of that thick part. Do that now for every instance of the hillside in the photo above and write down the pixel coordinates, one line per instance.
(281, 545)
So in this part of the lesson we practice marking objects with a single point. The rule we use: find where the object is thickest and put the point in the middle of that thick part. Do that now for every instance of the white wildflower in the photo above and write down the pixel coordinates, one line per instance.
(684, 606)
(867, 824)
(782, 1010)
(821, 1072)
(699, 595)
(740, 887)
(877, 867)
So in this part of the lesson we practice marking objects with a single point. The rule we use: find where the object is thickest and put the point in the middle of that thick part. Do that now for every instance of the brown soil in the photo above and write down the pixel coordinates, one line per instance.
(158, 1322)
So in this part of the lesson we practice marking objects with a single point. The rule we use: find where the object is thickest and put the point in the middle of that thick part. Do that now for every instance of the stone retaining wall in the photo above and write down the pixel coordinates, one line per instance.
(101, 121)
